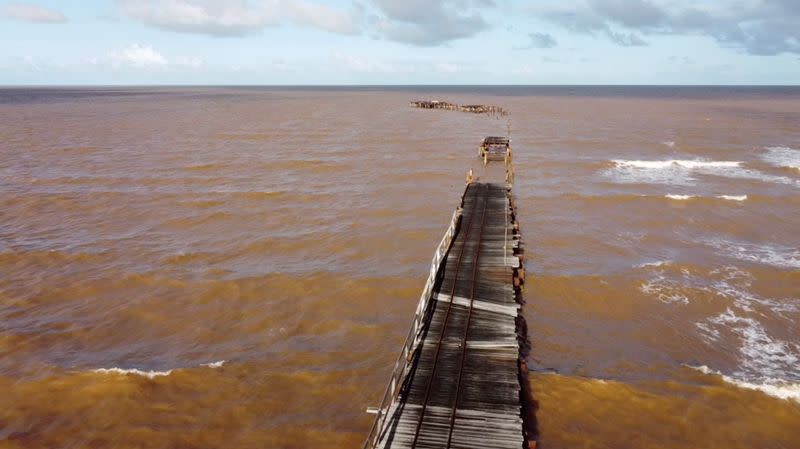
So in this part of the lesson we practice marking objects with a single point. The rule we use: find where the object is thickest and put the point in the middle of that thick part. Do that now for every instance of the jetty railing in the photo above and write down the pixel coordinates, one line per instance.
(403, 362)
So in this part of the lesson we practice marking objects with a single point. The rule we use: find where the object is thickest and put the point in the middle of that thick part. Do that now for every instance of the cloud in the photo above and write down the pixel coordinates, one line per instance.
(143, 57)
(189, 63)
(523, 70)
(759, 27)
(33, 13)
(228, 18)
(323, 17)
(629, 13)
(626, 39)
(415, 22)
(29, 63)
(215, 17)
(539, 40)
(137, 56)
(429, 22)
(682, 59)
(447, 67)
(283, 66)
(356, 64)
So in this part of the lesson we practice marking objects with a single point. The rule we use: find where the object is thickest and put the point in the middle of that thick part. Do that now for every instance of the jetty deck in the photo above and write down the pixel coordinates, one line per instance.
(460, 381)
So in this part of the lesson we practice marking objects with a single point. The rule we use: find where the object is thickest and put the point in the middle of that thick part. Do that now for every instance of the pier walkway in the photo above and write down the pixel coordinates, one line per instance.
(459, 380)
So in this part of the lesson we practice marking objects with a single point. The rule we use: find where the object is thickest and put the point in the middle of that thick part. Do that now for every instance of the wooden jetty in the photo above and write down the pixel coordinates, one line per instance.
(460, 380)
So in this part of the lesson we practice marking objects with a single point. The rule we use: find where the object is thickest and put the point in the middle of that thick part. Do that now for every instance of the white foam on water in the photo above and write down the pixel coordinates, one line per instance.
(746, 173)
(669, 143)
(690, 164)
(684, 171)
(672, 171)
(774, 255)
(778, 388)
(664, 289)
(134, 371)
(734, 284)
(733, 197)
(711, 333)
(657, 263)
(765, 362)
(783, 157)
(760, 354)
(150, 374)
(679, 197)
(761, 351)
(217, 364)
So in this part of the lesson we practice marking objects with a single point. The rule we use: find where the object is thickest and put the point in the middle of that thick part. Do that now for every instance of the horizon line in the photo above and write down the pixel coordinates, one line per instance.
(43, 85)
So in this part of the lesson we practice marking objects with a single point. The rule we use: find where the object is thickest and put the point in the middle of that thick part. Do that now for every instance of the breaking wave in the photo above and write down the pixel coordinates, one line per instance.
(765, 362)
(150, 374)
(657, 263)
(672, 163)
(679, 197)
(774, 255)
(783, 157)
(673, 171)
(665, 289)
(778, 388)
(732, 197)
(682, 171)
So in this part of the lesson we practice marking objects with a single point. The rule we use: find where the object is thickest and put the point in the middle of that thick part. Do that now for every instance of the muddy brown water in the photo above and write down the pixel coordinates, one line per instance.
(237, 267)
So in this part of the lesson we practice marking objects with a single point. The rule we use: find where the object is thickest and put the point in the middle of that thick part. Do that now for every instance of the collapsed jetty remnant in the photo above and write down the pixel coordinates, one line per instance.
(434, 104)
(461, 380)
(473, 108)
(483, 109)
(495, 148)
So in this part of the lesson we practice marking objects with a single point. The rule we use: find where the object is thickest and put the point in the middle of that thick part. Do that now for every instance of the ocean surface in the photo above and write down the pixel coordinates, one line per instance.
(238, 267)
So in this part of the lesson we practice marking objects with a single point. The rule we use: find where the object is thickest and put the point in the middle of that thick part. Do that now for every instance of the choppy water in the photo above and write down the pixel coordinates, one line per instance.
(237, 267)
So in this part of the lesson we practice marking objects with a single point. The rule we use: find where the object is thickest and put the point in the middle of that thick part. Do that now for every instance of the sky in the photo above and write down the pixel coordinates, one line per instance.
(335, 42)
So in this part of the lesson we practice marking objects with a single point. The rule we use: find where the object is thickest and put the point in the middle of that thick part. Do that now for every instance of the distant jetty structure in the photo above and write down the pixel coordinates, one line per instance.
(460, 380)
(473, 108)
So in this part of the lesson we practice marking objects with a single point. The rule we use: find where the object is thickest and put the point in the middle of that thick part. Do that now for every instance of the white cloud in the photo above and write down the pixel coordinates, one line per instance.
(523, 70)
(321, 16)
(283, 66)
(225, 18)
(356, 64)
(446, 67)
(33, 13)
(29, 63)
(190, 63)
(215, 17)
(430, 22)
(137, 56)
(144, 57)
(759, 27)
